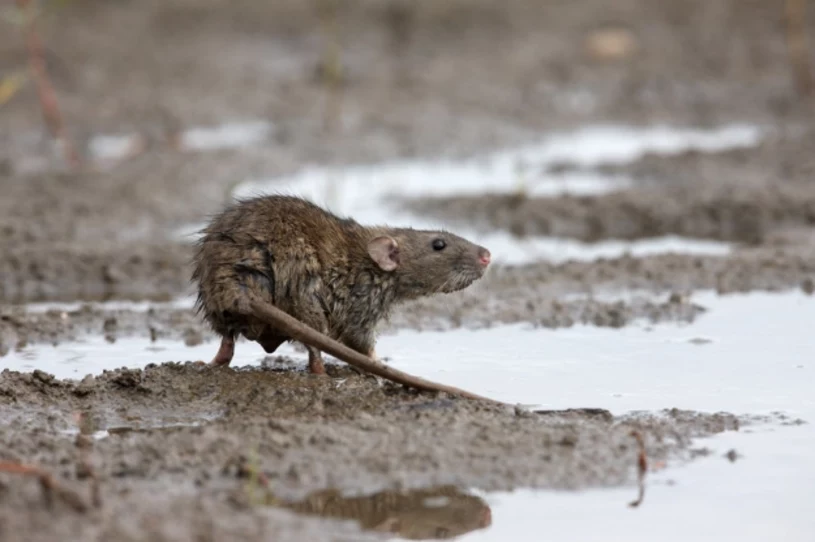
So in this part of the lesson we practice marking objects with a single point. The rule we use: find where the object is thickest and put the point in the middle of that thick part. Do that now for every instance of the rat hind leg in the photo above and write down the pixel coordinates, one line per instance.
(315, 361)
(312, 316)
(225, 352)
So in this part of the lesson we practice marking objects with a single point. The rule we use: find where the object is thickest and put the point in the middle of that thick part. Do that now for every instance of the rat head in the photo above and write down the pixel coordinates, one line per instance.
(428, 262)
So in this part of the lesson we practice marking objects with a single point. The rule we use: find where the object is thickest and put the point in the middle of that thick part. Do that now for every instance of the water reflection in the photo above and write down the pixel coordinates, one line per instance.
(424, 514)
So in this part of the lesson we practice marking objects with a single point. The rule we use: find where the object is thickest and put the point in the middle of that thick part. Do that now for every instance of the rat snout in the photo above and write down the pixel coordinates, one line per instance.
(484, 256)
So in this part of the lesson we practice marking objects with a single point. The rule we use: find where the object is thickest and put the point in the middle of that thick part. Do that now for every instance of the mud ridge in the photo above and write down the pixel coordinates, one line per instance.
(19, 328)
(784, 156)
(723, 212)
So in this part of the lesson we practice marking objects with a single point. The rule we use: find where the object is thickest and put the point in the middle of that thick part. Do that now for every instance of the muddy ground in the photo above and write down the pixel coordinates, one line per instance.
(348, 431)
(425, 79)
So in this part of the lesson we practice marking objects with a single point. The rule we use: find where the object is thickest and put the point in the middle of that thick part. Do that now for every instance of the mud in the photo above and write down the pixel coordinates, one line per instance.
(704, 209)
(20, 328)
(759, 197)
(783, 156)
(532, 293)
(193, 453)
(297, 435)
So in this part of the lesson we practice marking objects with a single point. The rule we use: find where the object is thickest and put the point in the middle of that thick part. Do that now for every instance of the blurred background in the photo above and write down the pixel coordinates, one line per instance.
(123, 120)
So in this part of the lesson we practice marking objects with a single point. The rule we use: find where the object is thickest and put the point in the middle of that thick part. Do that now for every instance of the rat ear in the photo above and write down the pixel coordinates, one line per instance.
(384, 251)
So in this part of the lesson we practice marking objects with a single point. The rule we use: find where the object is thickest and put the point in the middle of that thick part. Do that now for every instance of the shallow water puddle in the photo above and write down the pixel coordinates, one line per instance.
(510, 250)
(505, 171)
(754, 357)
(229, 135)
(371, 193)
(94, 354)
(765, 494)
(185, 302)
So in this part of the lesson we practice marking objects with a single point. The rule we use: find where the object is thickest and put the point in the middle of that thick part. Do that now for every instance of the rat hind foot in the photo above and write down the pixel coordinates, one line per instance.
(225, 352)
(315, 362)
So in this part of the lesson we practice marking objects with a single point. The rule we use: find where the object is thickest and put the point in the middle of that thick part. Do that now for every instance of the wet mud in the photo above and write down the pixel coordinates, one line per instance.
(722, 211)
(248, 439)
(20, 327)
(184, 452)
(782, 156)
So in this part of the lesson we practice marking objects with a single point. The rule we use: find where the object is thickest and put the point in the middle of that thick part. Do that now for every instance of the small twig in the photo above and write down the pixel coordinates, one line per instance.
(331, 64)
(256, 477)
(642, 469)
(49, 485)
(798, 46)
(45, 90)
(251, 469)
(84, 468)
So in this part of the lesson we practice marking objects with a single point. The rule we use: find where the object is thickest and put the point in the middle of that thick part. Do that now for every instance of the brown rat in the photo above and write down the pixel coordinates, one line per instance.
(333, 274)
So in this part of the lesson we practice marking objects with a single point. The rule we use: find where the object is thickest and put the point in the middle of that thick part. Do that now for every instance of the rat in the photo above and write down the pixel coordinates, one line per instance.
(267, 258)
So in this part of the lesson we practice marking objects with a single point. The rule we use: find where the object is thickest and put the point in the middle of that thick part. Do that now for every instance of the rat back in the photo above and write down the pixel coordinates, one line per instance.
(273, 248)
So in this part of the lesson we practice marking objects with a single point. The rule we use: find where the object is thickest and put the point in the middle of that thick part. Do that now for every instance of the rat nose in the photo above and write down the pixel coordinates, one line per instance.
(484, 257)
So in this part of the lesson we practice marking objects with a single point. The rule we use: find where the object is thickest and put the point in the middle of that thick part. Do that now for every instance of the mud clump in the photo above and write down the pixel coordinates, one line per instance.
(85, 387)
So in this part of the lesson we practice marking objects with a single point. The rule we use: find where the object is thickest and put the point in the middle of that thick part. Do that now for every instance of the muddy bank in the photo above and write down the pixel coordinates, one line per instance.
(154, 271)
(542, 294)
(754, 196)
(785, 259)
(782, 157)
(19, 327)
(303, 434)
(769, 270)
(722, 210)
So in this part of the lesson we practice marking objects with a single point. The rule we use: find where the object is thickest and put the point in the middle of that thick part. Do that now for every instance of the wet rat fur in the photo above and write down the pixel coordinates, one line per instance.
(331, 273)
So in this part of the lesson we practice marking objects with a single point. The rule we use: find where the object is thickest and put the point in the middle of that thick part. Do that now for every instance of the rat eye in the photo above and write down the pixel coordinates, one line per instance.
(439, 244)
